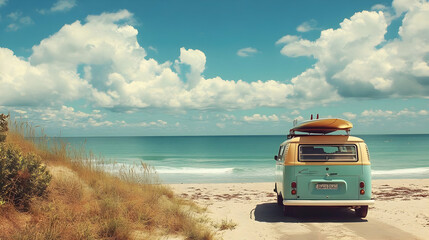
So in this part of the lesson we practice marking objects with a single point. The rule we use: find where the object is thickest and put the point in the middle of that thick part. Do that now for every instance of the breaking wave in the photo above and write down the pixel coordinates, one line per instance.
(417, 172)
(190, 170)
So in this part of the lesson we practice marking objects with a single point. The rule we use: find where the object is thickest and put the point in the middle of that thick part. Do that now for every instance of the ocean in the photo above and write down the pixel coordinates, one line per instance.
(228, 159)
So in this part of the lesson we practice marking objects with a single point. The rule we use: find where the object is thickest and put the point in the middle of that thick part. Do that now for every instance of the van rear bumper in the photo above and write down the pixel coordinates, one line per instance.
(338, 203)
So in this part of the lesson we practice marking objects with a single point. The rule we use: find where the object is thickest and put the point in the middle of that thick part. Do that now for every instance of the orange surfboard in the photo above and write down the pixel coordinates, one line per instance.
(324, 126)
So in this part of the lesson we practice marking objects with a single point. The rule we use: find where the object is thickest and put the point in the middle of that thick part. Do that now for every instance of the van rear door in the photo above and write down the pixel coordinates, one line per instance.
(325, 177)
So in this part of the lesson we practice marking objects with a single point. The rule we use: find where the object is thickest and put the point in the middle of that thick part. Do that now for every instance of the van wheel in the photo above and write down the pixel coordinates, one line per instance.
(288, 211)
(362, 211)
(279, 199)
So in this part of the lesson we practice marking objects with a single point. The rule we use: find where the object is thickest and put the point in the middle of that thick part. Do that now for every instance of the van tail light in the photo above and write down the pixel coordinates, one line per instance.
(293, 185)
(362, 190)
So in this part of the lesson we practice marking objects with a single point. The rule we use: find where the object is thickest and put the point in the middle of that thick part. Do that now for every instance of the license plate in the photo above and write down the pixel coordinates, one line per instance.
(327, 186)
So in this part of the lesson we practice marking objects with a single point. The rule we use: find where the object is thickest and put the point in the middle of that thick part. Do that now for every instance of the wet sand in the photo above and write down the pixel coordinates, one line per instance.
(401, 211)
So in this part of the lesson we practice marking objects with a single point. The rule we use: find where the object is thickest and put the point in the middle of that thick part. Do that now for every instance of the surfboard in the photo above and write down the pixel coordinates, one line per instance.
(326, 125)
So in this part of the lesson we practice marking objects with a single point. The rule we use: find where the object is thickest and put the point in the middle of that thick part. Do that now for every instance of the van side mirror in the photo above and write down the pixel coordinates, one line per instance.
(275, 157)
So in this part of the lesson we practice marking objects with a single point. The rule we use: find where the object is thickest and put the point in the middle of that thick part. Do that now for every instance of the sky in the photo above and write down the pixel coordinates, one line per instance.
(214, 67)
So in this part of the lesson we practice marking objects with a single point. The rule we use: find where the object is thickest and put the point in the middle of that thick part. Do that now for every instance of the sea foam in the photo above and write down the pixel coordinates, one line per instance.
(191, 170)
(403, 171)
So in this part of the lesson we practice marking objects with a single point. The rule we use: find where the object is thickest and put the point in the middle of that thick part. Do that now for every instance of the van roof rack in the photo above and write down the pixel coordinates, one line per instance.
(292, 134)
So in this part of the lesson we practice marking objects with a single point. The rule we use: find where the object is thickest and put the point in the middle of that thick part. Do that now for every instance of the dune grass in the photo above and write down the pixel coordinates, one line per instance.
(84, 202)
(226, 224)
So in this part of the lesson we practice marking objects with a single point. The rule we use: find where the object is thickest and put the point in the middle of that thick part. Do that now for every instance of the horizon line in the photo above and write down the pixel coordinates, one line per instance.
(226, 135)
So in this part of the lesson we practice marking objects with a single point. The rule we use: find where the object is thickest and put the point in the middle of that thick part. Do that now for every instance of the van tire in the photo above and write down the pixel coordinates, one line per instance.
(362, 211)
(279, 199)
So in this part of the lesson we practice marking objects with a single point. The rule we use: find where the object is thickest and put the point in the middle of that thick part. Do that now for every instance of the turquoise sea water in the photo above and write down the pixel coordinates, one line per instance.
(212, 159)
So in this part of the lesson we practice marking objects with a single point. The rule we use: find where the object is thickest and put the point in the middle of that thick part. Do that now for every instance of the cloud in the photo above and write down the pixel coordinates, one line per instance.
(410, 113)
(246, 52)
(355, 60)
(152, 48)
(63, 5)
(95, 123)
(377, 113)
(20, 111)
(394, 114)
(289, 119)
(21, 114)
(349, 115)
(295, 112)
(158, 123)
(261, 118)
(378, 7)
(59, 6)
(287, 39)
(227, 119)
(3, 2)
(65, 116)
(115, 73)
(401, 6)
(18, 21)
(307, 26)
(196, 60)
(26, 85)
(62, 116)
(100, 60)
(295, 46)
(423, 113)
(299, 118)
(224, 117)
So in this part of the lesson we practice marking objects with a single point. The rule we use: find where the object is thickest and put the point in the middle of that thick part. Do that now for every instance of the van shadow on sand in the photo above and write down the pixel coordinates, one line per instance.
(271, 212)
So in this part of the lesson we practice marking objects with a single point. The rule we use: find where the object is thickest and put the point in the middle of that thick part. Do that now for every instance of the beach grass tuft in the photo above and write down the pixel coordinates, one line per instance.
(83, 201)
(226, 224)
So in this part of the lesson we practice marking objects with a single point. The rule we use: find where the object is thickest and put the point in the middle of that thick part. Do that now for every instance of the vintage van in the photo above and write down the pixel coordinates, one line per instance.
(315, 169)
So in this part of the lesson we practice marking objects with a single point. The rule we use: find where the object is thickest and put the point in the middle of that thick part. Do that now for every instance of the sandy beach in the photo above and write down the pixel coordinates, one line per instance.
(401, 211)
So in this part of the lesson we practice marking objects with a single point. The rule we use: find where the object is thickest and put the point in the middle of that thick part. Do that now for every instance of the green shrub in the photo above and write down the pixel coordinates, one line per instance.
(3, 127)
(21, 176)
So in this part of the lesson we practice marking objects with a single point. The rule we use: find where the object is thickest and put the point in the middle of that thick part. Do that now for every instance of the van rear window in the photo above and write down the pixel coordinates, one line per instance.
(327, 153)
